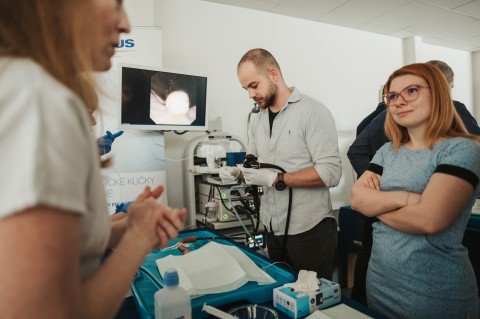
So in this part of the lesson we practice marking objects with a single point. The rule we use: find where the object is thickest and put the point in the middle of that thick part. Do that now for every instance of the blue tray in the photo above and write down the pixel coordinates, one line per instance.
(148, 279)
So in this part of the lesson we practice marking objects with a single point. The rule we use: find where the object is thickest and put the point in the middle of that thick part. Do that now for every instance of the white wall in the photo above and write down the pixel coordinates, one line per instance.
(338, 66)
(341, 67)
(476, 82)
(320, 59)
(141, 13)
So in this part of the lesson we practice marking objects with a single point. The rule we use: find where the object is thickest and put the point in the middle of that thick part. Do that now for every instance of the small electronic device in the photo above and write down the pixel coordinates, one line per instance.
(255, 242)
(218, 194)
(155, 99)
(298, 304)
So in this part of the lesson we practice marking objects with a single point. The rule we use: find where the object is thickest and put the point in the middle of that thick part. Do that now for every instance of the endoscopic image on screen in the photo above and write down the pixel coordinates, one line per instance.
(160, 100)
(135, 102)
(173, 98)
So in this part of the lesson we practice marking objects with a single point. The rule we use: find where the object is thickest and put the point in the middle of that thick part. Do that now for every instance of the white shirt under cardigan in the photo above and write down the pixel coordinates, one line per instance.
(303, 136)
(48, 155)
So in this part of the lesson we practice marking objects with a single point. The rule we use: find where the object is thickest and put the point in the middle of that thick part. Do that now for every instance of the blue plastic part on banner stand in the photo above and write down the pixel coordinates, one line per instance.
(148, 279)
(234, 158)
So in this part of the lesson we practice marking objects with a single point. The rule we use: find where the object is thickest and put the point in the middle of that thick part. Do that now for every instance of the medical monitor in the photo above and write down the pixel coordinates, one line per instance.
(154, 99)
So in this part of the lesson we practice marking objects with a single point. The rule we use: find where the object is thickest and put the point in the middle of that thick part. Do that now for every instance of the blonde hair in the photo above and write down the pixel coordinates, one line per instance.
(55, 34)
(444, 120)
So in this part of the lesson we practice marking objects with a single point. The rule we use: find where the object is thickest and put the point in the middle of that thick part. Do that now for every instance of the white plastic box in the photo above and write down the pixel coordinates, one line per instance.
(297, 304)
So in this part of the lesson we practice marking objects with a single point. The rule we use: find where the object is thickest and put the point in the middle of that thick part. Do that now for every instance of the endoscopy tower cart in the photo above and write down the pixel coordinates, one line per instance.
(205, 155)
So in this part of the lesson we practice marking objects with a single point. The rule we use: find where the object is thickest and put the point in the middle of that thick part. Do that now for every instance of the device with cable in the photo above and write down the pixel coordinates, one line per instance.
(251, 161)
(213, 203)
(197, 170)
(211, 193)
(229, 208)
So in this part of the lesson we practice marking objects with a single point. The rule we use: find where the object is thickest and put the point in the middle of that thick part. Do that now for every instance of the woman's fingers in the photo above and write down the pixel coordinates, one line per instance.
(144, 195)
(170, 222)
(373, 181)
(147, 192)
(157, 192)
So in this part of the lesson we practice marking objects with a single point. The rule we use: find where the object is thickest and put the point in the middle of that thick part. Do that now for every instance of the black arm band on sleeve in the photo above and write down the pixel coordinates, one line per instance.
(459, 172)
(377, 169)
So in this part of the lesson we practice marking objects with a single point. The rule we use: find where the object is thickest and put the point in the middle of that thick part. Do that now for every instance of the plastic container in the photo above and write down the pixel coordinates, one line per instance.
(172, 302)
(211, 211)
(253, 312)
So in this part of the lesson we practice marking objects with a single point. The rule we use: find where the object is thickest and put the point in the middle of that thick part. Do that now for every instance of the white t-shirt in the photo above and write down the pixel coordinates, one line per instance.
(48, 155)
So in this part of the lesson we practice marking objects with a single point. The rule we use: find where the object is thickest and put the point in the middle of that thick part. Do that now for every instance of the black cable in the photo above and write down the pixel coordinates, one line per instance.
(231, 210)
(251, 217)
(252, 213)
(251, 162)
(180, 133)
(253, 190)
(211, 193)
(289, 210)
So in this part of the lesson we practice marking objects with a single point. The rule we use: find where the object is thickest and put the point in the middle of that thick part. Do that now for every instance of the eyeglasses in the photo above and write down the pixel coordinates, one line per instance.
(408, 94)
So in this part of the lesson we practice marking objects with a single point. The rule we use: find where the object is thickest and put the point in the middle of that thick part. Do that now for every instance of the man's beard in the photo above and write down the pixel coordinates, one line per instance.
(270, 97)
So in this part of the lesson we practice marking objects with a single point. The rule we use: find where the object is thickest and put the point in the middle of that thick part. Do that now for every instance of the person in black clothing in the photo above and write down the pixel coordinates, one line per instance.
(366, 121)
(361, 264)
(360, 153)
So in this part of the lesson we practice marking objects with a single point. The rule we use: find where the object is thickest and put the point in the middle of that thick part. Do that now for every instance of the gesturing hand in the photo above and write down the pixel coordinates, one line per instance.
(170, 223)
(105, 142)
(152, 221)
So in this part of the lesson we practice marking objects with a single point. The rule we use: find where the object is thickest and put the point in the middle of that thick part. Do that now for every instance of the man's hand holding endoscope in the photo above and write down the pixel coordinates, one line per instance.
(229, 174)
(261, 177)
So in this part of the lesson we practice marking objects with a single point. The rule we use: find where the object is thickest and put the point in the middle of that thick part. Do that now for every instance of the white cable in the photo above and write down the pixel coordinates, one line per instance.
(180, 159)
(217, 312)
(277, 262)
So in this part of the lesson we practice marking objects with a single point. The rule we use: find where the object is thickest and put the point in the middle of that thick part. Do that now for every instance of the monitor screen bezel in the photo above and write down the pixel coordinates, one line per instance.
(159, 127)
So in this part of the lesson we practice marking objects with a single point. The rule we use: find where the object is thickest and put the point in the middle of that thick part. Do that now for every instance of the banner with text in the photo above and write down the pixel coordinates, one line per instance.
(125, 187)
(138, 157)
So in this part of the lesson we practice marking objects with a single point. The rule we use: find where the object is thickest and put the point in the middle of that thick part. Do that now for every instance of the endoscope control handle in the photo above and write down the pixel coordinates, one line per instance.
(251, 161)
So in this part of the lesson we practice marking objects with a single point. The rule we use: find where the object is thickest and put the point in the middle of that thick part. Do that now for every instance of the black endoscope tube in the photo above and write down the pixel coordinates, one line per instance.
(256, 204)
(289, 211)
(251, 162)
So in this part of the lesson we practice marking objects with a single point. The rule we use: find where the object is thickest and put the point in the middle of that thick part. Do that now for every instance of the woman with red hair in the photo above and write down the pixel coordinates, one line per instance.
(421, 186)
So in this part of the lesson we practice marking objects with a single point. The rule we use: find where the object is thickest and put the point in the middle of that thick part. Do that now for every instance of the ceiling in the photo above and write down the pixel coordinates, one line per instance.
(448, 23)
